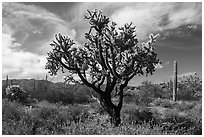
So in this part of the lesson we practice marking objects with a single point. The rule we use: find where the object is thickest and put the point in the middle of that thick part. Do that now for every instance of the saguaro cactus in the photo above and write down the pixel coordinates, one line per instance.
(7, 81)
(175, 81)
(34, 85)
(45, 83)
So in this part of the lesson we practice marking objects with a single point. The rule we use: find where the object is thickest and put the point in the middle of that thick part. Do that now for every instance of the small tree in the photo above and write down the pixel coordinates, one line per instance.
(111, 57)
(148, 92)
(14, 92)
(190, 88)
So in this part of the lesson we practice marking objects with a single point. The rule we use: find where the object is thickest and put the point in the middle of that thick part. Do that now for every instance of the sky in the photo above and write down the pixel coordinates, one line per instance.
(29, 28)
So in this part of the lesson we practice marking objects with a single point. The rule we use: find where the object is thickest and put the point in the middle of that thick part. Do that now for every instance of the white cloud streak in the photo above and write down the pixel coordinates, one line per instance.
(17, 62)
(156, 17)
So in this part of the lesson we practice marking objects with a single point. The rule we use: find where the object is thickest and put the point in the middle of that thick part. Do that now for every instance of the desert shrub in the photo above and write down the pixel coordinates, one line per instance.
(47, 113)
(27, 125)
(167, 93)
(163, 103)
(80, 97)
(137, 115)
(189, 88)
(14, 92)
(81, 94)
(97, 108)
(10, 110)
(67, 97)
(59, 96)
(148, 92)
(50, 120)
(44, 103)
(180, 116)
(179, 105)
(184, 105)
(195, 114)
(14, 120)
(133, 96)
(182, 124)
(77, 113)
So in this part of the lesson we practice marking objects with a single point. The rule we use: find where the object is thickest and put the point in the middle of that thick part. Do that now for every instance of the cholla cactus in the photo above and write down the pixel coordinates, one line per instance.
(14, 92)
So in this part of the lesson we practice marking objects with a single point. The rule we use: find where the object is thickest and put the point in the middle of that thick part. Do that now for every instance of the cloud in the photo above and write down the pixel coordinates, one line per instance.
(162, 65)
(158, 17)
(26, 33)
(187, 74)
(33, 26)
(18, 63)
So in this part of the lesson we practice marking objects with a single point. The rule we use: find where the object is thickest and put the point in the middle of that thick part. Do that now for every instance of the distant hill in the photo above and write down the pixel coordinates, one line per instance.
(40, 88)
(33, 85)
(53, 92)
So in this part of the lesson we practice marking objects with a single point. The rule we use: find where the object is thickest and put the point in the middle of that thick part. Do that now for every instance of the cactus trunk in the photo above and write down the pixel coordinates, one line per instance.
(175, 81)
(34, 85)
(7, 81)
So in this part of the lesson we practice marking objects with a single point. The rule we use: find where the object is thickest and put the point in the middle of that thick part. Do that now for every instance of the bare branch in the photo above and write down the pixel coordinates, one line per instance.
(95, 98)
(101, 82)
(87, 83)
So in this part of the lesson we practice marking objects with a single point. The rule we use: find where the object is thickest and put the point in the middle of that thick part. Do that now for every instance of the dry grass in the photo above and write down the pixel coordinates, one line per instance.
(46, 118)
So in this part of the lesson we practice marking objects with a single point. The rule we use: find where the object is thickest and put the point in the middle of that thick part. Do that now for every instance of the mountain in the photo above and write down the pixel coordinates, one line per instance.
(42, 87)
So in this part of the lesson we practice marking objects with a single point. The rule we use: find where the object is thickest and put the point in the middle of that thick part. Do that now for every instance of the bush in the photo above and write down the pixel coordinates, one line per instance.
(184, 105)
(10, 111)
(14, 92)
(163, 103)
(77, 113)
(47, 113)
(189, 88)
(179, 105)
(148, 92)
(98, 108)
(70, 113)
(133, 96)
(137, 115)
(60, 96)
(195, 114)
(174, 121)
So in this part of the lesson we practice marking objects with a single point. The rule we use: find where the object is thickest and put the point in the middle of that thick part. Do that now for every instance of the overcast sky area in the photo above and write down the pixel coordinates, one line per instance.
(29, 28)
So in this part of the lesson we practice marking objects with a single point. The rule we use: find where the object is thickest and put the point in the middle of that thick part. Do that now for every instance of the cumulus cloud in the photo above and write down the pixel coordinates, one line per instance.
(33, 26)
(162, 65)
(156, 17)
(26, 33)
(18, 63)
